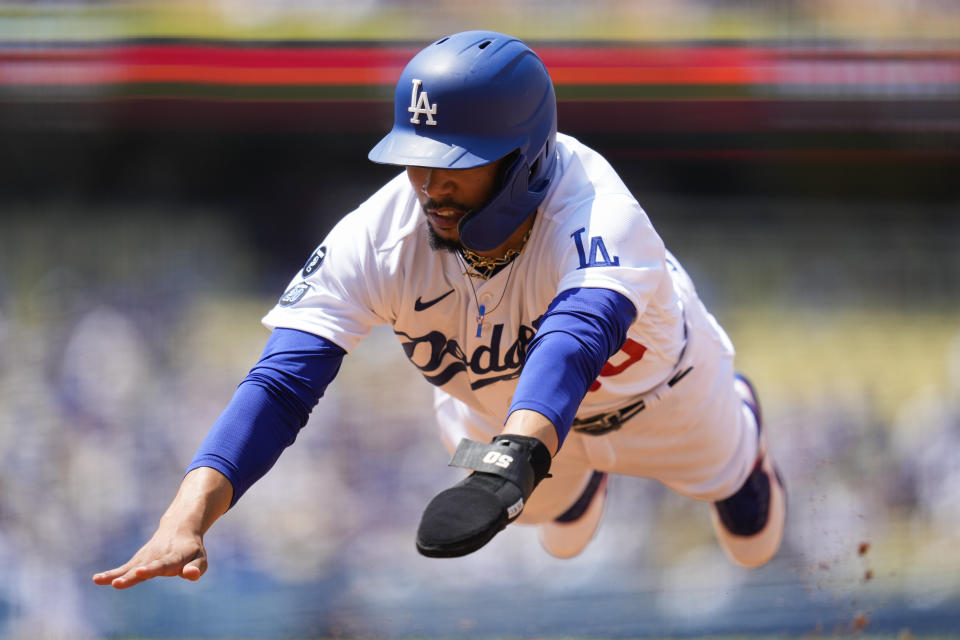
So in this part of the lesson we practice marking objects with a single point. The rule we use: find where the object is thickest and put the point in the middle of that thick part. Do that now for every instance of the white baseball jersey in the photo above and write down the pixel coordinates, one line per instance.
(376, 267)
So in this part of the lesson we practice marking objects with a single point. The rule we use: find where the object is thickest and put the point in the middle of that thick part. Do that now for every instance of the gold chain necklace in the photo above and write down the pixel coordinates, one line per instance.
(483, 267)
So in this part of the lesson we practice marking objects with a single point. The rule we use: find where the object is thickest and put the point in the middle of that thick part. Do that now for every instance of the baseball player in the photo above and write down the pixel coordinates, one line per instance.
(563, 341)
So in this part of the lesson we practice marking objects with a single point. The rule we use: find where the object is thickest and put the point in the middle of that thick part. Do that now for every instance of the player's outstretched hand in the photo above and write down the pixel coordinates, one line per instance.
(176, 549)
(466, 516)
(168, 553)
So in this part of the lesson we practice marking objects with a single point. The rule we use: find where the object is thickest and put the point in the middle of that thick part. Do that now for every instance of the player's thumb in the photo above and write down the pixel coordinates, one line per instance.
(195, 568)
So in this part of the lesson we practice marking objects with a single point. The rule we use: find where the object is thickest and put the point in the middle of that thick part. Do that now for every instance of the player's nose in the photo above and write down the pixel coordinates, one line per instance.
(438, 182)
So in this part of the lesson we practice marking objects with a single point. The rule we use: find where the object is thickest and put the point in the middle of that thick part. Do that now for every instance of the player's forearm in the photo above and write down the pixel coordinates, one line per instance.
(581, 329)
(204, 496)
(269, 408)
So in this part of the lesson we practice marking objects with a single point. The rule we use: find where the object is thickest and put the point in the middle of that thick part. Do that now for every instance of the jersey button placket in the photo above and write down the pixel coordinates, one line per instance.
(486, 299)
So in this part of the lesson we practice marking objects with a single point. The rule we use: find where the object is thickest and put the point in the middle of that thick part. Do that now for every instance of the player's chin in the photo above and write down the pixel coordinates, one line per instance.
(444, 239)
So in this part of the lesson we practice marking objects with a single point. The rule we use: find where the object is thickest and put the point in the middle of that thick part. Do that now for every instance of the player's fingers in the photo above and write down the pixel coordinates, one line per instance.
(195, 568)
(128, 578)
(126, 581)
(132, 578)
(169, 565)
(122, 577)
(122, 573)
(107, 577)
(125, 576)
(137, 572)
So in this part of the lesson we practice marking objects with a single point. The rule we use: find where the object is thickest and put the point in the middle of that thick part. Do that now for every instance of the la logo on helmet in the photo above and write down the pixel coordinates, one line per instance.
(420, 105)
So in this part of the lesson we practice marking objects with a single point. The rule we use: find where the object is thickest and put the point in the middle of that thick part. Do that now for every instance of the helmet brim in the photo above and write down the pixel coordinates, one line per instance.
(405, 148)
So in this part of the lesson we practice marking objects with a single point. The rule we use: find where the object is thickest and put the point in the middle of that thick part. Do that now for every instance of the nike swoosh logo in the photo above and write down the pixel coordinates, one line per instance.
(420, 305)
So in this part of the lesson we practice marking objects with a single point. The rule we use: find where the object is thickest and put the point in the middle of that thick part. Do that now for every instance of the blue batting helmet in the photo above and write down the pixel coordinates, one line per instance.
(468, 100)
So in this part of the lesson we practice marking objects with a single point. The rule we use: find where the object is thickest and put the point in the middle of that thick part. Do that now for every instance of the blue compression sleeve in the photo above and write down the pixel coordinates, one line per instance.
(580, 331)
(269, 408)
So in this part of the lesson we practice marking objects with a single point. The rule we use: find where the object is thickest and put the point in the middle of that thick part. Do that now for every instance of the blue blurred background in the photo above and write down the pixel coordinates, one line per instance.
(165, 167)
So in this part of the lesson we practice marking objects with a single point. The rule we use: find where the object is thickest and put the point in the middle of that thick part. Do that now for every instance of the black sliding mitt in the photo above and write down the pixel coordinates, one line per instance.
(466, 516)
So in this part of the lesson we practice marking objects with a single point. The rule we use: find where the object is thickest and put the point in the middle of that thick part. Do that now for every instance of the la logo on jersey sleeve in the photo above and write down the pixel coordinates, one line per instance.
(598, 255)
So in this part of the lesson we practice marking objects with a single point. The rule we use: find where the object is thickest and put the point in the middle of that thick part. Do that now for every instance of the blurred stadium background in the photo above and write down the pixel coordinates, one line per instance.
(165, 167)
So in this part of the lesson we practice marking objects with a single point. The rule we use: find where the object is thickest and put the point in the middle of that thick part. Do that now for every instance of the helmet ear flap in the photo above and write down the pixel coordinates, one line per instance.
(507, 166)
(524, 187)
(538, 172)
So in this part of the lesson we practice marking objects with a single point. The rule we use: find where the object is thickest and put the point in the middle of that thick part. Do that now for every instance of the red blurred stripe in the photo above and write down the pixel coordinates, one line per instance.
(581, 65)
(654, 56)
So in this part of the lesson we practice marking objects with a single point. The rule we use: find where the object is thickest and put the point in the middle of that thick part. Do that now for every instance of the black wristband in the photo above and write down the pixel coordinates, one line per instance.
(523, 460)
(539, 455)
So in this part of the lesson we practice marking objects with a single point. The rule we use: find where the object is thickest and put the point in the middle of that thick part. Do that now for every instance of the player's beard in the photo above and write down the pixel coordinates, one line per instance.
(439, 243)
